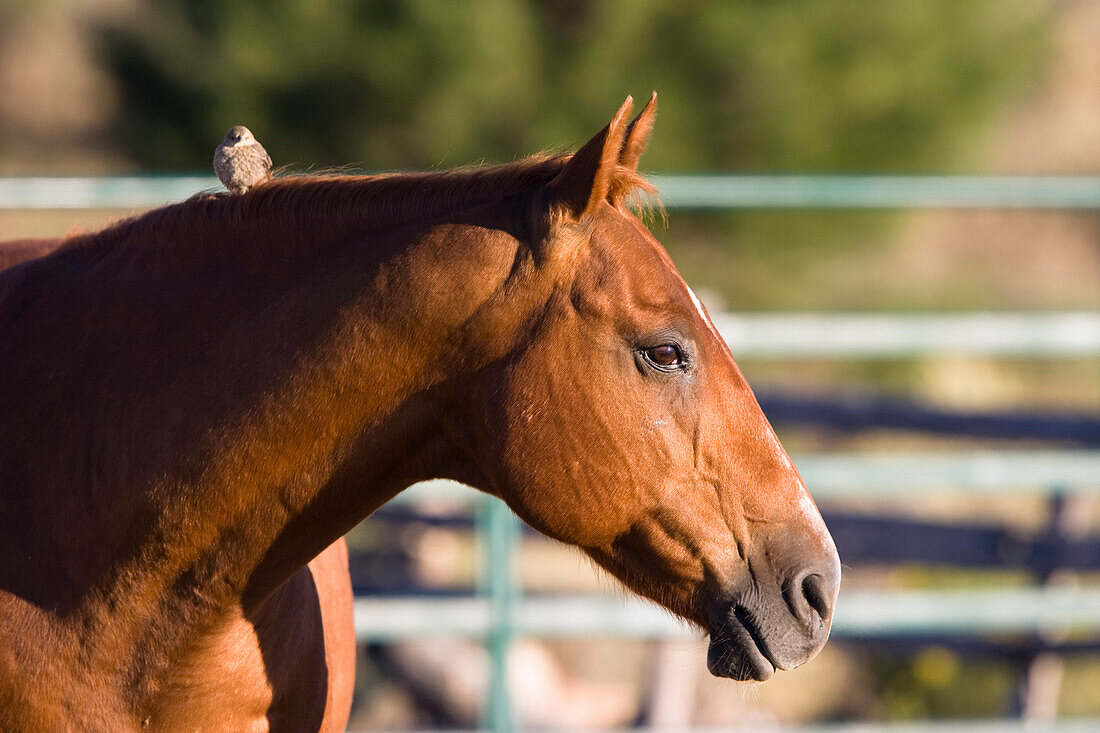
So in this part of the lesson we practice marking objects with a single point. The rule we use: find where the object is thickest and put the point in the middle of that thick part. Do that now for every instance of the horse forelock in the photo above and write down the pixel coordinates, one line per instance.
(324, 205)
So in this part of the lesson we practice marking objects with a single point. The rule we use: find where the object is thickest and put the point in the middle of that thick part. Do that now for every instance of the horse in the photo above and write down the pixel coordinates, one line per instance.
(14, 251)
(200, 400)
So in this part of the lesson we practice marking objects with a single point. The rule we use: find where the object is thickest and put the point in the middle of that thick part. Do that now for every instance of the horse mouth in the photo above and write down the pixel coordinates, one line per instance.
(737, 652)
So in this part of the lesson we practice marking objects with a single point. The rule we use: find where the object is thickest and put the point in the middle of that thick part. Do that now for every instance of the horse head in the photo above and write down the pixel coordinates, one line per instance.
(624, 426)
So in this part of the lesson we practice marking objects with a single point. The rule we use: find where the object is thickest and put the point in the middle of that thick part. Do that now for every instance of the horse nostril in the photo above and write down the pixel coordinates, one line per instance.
(813, 589)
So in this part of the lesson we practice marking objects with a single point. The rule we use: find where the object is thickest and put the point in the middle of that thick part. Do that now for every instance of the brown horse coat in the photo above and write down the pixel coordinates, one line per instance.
(304, 637)
(198, 401)
(15, 251)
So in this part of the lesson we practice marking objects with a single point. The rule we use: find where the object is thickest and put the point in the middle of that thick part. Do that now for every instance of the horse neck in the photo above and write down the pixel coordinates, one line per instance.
(342, 402)
(16, 251)
(219, 423)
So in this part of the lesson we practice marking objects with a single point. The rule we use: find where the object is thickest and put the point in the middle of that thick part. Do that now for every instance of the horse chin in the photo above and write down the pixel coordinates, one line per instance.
(735, 653)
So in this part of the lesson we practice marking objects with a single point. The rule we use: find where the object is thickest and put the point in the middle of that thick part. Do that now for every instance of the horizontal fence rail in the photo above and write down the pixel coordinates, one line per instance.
(700, 192)
(865, 335)
(855, 411)
(859, 614)
(836, 475)
(1083, 725)
(878, 192)
(117, 192)
(850, 475)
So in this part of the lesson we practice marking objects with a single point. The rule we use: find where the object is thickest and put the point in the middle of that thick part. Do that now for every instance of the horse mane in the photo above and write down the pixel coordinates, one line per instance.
(334, 206)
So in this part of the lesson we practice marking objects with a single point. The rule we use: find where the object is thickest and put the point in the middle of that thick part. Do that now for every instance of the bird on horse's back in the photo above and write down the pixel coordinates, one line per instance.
(200, 400)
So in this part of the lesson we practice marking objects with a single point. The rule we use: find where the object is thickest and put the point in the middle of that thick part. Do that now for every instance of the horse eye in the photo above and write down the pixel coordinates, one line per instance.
(665, 356)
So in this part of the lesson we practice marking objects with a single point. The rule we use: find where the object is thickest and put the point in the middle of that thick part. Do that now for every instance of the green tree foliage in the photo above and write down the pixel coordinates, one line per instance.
(744, 85)
(748, 84)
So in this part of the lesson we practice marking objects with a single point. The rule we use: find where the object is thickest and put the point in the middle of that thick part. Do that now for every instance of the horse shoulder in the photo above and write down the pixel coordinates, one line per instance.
(16, 251)
(289, 666)
(37, 655)
(218, 683)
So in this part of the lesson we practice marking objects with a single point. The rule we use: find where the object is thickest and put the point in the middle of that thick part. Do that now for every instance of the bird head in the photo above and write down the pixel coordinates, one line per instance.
(237, 135)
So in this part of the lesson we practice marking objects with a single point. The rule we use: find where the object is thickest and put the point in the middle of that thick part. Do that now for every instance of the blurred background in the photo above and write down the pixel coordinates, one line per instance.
(926, 340)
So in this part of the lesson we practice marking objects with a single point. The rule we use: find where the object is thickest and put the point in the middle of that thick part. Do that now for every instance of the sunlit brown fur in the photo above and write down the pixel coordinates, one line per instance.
(199, 401)
(15, 251)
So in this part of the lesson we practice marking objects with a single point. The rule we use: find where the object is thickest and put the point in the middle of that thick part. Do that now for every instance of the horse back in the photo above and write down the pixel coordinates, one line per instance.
(16, 251)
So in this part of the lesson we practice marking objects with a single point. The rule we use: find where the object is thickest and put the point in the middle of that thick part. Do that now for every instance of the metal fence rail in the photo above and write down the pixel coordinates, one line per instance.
(1084, 725)
(1046, 335)
(878, 192)
(887, 475)
(88, 192)
(862, 614)
(677, 191)
(978, 472)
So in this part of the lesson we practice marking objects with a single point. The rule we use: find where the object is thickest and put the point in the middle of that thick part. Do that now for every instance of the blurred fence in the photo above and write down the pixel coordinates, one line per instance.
(501, 612)
(677, 192)
(867, 613)
(943, 615)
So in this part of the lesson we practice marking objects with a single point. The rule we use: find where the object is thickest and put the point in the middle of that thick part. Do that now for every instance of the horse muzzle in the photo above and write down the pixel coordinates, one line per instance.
(768, 626)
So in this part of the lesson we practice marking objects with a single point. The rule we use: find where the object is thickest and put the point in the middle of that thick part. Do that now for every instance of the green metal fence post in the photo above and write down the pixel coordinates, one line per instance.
(499, 532)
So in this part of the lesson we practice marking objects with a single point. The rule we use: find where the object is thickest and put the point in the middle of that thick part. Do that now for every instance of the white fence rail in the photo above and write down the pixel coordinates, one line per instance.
(677, 191)
(1084, 725)
(116, 192)
(859, 613)
(1048, 335)
(886, 475)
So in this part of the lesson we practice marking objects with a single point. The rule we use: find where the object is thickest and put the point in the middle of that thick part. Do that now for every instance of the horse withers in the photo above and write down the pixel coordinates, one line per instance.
(200, 400)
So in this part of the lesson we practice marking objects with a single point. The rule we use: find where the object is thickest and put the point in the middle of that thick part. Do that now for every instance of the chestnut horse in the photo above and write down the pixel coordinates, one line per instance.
(15, 251)
(200, 400)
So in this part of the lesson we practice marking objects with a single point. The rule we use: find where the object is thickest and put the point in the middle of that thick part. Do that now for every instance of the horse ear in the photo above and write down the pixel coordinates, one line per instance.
(637, 135)
(586, 180)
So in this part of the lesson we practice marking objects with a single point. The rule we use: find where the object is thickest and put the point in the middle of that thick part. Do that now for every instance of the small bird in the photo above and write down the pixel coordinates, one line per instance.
(240, 161)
